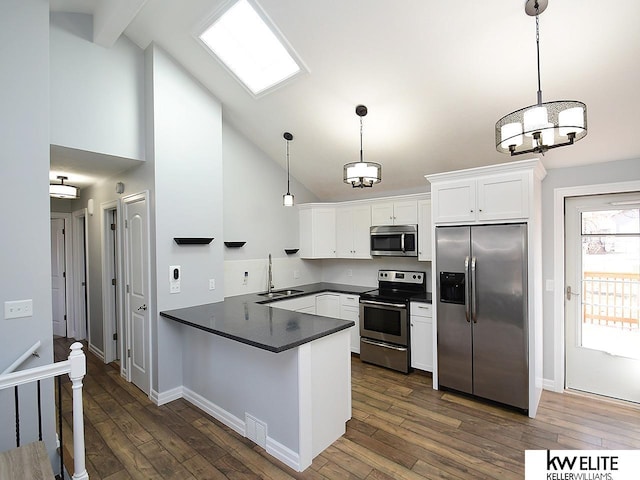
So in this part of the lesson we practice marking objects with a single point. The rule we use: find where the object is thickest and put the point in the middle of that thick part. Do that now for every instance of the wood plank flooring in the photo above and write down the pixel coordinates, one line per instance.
(401, 429)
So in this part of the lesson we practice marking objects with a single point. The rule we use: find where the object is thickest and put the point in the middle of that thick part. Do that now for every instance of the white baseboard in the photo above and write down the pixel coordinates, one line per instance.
(166, 397)
(274, 448)
(96, 352)
(550, 385)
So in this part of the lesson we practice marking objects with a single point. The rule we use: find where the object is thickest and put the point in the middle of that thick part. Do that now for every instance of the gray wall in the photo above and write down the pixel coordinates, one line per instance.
(97, 99)
(601, 173)
(187, 153)
(25, 247)
(253, 189)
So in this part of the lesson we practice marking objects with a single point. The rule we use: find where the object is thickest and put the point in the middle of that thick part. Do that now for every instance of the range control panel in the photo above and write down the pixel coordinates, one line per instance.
(399, 276)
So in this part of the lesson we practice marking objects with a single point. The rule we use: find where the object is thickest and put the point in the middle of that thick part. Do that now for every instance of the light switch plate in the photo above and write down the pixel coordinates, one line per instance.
(18, 309)
(212, 284)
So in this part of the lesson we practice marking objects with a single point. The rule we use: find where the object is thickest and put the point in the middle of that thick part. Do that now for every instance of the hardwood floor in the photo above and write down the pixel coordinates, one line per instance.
(401, 429)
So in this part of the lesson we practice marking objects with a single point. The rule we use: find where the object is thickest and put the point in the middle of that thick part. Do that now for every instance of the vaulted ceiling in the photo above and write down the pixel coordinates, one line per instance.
(435, 76)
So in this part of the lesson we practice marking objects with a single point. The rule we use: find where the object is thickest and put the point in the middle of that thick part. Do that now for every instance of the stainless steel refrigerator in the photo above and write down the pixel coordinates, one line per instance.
(482, 311)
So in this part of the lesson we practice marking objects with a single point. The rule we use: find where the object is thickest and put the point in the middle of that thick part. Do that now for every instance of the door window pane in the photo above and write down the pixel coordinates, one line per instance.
(611, 281)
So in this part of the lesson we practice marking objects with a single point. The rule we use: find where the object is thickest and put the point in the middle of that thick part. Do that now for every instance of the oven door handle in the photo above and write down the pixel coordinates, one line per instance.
(383, 304)
(383, 344)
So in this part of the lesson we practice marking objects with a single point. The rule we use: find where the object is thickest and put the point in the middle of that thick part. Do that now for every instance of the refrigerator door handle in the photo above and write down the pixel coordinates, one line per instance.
(474, 306)
(467, 287)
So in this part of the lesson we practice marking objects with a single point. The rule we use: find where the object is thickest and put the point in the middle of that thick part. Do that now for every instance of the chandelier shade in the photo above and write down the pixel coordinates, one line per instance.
(62, 190)
(362, 174)
(543, 126)
(538, 128)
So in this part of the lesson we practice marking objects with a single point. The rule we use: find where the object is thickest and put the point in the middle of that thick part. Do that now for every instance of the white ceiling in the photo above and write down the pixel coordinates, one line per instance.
(435, 76)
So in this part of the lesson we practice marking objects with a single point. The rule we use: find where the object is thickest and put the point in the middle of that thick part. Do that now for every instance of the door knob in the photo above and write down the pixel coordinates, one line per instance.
(142, 307)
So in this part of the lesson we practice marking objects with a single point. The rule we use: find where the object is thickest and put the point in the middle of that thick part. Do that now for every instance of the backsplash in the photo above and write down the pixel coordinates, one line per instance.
(287, 272)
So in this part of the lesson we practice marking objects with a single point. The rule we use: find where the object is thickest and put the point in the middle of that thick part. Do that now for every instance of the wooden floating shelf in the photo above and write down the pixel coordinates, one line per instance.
(234, 244)
(193, 240)
(291, 251)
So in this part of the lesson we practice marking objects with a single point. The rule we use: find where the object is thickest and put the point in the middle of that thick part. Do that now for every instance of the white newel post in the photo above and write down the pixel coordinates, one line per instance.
(77, 372)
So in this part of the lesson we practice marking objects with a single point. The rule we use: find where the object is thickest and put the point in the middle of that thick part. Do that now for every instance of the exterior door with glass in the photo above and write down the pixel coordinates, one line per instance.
(602, 295)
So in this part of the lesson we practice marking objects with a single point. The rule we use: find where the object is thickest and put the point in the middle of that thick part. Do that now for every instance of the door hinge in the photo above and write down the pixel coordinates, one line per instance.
(127, 288)
(126, 224)
(129, 353)
(113, 226)
(113, 282)
(115, 336)
(65, 318)
(63, 231)
(64, 274)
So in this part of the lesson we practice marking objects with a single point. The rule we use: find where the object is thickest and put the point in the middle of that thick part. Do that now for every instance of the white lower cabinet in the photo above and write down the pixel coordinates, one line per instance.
(350, 310)
(328, 305)
(421, 319)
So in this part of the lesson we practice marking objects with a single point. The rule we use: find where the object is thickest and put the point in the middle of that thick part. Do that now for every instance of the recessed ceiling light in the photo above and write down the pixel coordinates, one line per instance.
(250, 48)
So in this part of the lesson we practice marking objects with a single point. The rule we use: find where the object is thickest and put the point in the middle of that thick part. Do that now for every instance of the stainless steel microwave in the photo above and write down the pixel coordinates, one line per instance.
(394, 241)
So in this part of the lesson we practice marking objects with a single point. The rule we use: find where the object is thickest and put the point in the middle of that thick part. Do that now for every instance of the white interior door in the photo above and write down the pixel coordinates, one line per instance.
(603, 295)
(58, 278)
(137, 289)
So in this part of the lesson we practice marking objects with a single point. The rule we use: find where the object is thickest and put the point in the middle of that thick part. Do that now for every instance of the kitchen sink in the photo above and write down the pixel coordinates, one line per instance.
(280, 293)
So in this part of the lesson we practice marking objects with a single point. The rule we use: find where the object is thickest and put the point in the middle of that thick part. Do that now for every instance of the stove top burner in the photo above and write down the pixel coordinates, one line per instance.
(397, 286)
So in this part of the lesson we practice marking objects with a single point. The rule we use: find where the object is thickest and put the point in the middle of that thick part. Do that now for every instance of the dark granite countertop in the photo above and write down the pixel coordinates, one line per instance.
(249, 319)
(422, 297)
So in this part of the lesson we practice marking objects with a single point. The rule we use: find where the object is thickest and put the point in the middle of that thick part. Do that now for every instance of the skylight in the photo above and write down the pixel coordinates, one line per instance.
(249, 47)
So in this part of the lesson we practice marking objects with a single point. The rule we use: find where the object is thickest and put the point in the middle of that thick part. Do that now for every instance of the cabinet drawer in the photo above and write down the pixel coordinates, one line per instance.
(420, 309)
(349, 300)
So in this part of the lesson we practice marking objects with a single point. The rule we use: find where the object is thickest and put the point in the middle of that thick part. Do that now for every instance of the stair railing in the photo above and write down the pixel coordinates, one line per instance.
(75, 366)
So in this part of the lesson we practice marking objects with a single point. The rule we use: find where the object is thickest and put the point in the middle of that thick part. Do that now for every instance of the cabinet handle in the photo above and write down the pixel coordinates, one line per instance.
(480, 210)
(471, 210)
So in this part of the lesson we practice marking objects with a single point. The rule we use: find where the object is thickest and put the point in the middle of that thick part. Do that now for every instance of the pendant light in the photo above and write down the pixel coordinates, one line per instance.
(62, 190)
(287, 198)
(362, 174)
(540, 127)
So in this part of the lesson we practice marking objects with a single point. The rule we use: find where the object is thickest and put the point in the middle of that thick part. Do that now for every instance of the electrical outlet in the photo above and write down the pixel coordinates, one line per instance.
(18, 309)
(245, 279)
(349, 273)
(212, 284)
(296, 274)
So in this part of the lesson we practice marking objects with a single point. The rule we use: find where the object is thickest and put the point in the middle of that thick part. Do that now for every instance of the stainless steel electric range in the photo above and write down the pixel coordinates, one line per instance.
(384, 319)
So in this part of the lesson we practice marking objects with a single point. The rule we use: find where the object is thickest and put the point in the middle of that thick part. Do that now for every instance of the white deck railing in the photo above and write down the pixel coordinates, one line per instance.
(76, 367)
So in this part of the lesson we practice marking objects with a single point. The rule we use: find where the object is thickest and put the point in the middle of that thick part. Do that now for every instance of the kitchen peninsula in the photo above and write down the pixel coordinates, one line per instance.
(281, 378)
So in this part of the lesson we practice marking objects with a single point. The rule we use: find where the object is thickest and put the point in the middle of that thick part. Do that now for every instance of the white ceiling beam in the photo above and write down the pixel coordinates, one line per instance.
(111, 17)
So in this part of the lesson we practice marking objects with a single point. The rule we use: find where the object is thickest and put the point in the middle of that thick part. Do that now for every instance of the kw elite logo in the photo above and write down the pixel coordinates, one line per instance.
(582, 464)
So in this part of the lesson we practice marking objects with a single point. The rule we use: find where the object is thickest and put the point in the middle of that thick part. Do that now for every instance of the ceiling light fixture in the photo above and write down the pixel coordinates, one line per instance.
(362, 174)
(540, 127)
(61, 190)
(287, 198)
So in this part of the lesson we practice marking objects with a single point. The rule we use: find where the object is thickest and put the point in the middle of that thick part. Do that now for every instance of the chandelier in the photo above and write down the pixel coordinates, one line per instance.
(362, 174)
(540, 127)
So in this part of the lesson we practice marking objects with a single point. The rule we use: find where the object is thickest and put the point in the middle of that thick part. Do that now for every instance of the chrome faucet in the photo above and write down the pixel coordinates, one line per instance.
(270, 280)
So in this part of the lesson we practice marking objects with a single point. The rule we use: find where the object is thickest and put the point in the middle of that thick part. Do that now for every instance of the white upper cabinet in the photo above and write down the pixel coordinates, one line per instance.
(317, 232)
(403, 212)
(425, 230)
(352, 231)
(485, 194)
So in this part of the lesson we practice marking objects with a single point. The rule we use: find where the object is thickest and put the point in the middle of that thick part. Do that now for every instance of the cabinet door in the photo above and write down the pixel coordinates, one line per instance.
(425, 227)
(382, 214)
(328, 305)
(361, 231)
(318, 232)
(454, 201)
(503, 197)
(344, 232)
(353, 314)
(405, 213)
(422, 343)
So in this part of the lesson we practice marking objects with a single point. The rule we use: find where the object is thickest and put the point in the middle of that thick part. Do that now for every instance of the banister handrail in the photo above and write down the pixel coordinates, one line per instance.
(20, 360)
(76, 367)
